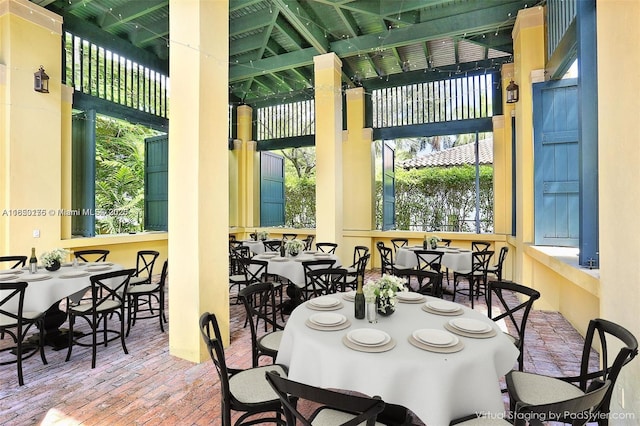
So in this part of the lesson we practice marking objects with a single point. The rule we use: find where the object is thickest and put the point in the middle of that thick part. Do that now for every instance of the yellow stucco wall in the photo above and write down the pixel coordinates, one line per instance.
(619, 176)
(30, 141)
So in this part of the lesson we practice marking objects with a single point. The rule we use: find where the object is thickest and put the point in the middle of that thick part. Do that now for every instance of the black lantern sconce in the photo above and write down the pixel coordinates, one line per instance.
(41, 81)
(513, 93)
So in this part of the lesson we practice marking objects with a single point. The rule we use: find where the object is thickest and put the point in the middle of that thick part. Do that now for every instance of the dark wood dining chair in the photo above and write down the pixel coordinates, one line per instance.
(476, 276)
(335, 408)
(17, 323)
(15, 262)
(242, 390)
(108, 293)
(512, 298)
(327, 247)
(618, 346)
(154, 292)
(93, 255)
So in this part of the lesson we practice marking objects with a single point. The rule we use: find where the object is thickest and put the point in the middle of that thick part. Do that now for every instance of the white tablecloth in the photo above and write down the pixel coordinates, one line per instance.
(41, 295)
(291, 267)
(453, 259)
(256, 247)
(437, 387)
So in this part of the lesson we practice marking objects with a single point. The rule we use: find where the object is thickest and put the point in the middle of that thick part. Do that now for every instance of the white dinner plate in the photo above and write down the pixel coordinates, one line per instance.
(322, 255)
(442, 306)
(464, 250)
(470, 325)
(75, 274)
(434, 337)
(96, 268)
(8, 272)
(327, 319)
(5, 277)
(310, 252)
(368, 337)
(409, 296)
(35, 277)
(324, 302)
(350, 296)
(280, 259)
(269, 255)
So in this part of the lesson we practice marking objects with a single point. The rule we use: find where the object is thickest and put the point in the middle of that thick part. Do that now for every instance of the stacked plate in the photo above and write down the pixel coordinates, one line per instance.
(268, 255)
(7, 277)
(98, 268)
(75, 274)
(368, 340)
(436, 340)
(322, 255)
(470, 327)
(280, 259)
(349, 296)
(409, 297)
(442, 307)
(327, 321)
(325, 303)
(35, 277)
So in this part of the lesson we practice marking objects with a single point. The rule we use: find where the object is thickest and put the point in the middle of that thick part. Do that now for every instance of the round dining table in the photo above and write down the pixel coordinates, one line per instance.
(455, 375)
(290, 267)
(46, 289)
(453, 258)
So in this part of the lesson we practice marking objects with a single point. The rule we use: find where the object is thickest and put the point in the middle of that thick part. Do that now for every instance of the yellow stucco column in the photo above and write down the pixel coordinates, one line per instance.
(529, 55)
(198, 179)
(328, 110)
(248, 173)
(30, 129)
(358, 166)
(618, 179)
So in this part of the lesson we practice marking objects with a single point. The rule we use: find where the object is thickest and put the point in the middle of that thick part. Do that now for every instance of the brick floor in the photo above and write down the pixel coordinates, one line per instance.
(151, 387)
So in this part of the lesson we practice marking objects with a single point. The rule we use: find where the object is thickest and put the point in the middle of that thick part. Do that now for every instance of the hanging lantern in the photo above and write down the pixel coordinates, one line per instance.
(41, 81)
(513, 93)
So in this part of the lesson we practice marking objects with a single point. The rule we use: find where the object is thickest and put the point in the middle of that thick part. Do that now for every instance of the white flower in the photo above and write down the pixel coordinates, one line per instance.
(384, 288)
(49, 257)
(262, 235)
(294, 245)
(433, 240)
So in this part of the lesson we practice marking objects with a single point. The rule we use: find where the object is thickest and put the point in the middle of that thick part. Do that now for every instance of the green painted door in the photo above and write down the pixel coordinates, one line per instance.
(271, 189)
(156, 171)
(556, 163)
(388, 186)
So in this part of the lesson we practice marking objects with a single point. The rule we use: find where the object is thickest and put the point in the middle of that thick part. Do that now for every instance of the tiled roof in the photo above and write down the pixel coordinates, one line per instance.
(456, 156)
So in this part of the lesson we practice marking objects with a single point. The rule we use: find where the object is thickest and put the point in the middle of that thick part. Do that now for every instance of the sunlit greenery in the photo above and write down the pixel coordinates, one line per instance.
(120, 175)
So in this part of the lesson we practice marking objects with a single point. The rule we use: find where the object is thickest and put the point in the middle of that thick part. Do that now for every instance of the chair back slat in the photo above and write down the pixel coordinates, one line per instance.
(16, 261)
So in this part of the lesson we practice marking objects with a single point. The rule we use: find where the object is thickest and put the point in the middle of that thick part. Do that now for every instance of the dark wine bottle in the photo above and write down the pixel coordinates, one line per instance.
(359, 300)
(33, 261)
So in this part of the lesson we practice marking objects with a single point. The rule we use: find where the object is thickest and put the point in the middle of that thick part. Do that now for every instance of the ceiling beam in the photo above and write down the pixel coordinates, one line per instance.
(143, 35)
(247, 44)
(304, 23)
(129, 12)
(241, 4)
(251, 22)
(473, 21)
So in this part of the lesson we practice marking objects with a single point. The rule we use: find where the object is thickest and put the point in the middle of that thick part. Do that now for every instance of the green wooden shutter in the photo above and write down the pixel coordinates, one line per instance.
(557, 163)
(271, 189)
(156, 170)
(83, 173)
(388, 186)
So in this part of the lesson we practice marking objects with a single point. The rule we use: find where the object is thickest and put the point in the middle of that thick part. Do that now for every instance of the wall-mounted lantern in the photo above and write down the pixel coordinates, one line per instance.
(513, 93)
(41, 81)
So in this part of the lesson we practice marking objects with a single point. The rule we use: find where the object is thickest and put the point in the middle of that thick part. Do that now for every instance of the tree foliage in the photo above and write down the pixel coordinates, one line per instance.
(440, 199)
(120, 175)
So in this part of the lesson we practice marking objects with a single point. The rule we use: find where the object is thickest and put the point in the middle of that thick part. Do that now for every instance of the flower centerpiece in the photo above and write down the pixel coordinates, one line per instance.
(293, 247)
(51, 260)
(263, 235)
(383, 292)
(432, 242)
